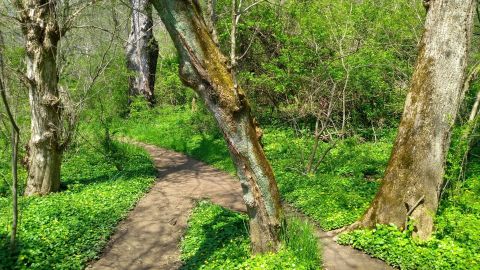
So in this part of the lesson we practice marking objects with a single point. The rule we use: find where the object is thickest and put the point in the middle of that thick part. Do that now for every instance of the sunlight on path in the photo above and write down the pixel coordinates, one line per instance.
(149, 237)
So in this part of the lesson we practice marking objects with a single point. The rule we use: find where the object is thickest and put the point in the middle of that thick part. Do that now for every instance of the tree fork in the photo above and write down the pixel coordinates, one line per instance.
(204, 68)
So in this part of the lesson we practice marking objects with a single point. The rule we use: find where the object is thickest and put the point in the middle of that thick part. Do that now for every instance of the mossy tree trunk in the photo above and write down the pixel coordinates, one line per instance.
(413, 179)
(142, 51)
(204, 68)
(42, 34)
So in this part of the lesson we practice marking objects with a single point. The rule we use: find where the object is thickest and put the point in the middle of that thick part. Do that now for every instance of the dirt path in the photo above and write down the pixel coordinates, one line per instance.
(338, 257)
(149, 237)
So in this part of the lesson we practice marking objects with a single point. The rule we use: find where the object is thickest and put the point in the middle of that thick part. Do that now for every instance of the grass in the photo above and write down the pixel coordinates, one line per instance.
(178, 129)
(217, 238)
(65, 230)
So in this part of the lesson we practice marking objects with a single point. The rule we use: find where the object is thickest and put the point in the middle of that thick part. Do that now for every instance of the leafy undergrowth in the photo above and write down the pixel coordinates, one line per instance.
(342, 188)
(455, 244)
(67, 229)
(217, 238)
(335, 196)
(6, 174)
(338, 193)
(179, 129)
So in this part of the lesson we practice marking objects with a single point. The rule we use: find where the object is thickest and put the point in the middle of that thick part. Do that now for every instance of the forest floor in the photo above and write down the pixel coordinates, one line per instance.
(149, 237)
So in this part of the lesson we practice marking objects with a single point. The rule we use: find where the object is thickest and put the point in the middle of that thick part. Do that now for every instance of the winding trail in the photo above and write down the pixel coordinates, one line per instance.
(149, 237)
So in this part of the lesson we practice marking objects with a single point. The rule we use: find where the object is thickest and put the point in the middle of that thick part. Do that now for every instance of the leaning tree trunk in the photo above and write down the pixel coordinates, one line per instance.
(204, 68)
(142, 51)
(42, 34)
(413, 179)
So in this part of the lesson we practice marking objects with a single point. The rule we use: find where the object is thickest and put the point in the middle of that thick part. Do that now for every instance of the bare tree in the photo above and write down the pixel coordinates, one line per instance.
(142, 51)
(414, 176)
(15, 138)
(204, 68)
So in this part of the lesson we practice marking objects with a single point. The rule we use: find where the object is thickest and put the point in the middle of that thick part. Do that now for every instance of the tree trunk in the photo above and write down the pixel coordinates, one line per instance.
(413, 179)
(204, 68)
(474, 111)
(142, 51)
(212, 19)
(14, 141)
(42, 34)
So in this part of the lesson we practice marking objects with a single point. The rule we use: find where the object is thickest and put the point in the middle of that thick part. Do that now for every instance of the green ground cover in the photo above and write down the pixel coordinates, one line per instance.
(217, 238)
(65, 230)
(338, 193)
(455, 244)
(335, 196)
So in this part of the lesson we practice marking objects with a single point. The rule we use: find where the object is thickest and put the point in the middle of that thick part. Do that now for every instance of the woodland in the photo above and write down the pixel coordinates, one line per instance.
(344, 125)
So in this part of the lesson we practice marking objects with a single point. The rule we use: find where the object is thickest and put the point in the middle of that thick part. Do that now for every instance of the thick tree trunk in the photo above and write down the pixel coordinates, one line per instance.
(204, 68)
(142, 51)
(42, 34)
(413, 179)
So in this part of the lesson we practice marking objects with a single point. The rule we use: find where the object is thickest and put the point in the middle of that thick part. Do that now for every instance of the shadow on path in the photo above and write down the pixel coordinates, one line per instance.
(149, 237)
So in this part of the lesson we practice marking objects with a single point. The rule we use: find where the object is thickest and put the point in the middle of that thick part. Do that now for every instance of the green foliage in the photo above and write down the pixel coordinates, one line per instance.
(217, 238)
(455, 242)
(400, 249)
(336, 196)
(299, 238)
(345, 184)
(301, 53)
(67, 229)
(168, 87)
(6, 174)
(179, 129)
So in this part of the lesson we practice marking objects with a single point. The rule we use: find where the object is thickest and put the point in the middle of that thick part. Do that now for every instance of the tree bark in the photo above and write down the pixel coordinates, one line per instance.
(212, 19)
(474, 111)
(42, 34)
(142, 51)
(204, 68)
(413, 179)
